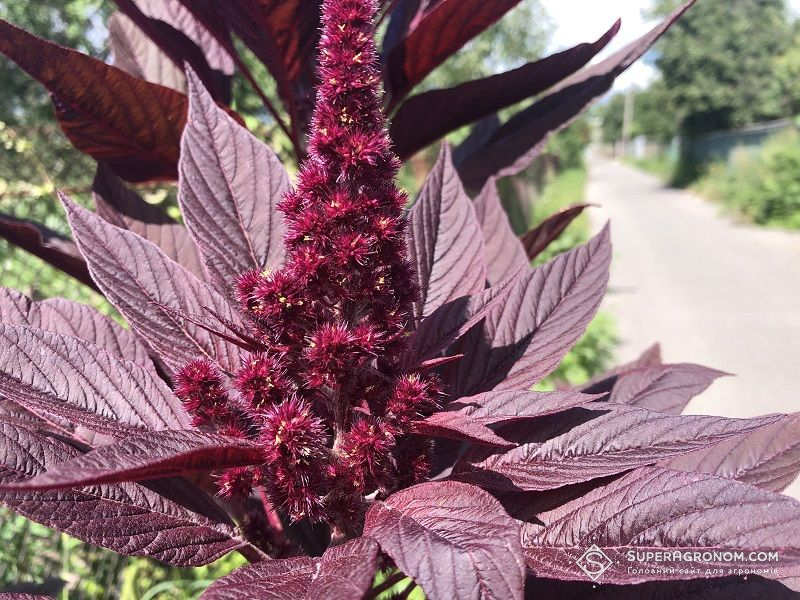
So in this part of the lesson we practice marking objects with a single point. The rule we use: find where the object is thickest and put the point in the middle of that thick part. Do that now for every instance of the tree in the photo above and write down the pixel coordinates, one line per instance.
(655, 113)
(611, 114)
(718, 62)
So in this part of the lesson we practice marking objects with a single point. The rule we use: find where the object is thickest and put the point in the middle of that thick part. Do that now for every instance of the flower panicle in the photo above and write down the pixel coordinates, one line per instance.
(327, 397)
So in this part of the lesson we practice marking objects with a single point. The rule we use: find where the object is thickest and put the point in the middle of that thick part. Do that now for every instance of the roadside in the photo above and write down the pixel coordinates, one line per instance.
(710, 290)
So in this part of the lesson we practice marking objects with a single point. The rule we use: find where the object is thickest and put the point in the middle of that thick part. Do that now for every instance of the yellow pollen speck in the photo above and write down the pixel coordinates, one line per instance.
(282, 299)
(342, 26)
(306, 238)
(357, 58)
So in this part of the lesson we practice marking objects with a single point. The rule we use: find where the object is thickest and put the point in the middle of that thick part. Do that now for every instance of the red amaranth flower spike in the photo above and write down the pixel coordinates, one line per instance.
(328, 398)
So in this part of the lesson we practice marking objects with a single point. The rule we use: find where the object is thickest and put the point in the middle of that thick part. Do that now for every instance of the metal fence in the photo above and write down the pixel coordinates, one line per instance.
(720, 145)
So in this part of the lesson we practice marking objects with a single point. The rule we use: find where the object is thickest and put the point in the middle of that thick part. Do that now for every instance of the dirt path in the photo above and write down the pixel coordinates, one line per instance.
(712, 291)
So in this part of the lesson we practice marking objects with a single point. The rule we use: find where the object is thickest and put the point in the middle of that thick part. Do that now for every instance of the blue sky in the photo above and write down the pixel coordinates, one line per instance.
(595, 16)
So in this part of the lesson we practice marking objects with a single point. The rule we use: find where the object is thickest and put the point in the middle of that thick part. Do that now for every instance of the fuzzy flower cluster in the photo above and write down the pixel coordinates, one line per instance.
(327, 397)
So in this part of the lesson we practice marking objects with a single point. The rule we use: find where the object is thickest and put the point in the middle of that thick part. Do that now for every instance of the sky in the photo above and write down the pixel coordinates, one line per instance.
(585, 20)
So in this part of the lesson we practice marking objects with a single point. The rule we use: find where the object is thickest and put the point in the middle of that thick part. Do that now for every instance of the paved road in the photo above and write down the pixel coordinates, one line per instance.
(712, 291)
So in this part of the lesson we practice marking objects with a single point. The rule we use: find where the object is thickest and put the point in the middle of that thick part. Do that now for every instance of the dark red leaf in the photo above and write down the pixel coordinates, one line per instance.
(123, 207)
(230, 184)
(454, 539)
(128, 518)
(768, 458)
(545, 315)
(504, 252)
(53, 248)
(148, 455)
(436, 36)
(667, 388)
(656, 509)
(131, 124)
(453, 319)
(444, 238)
(511, 147)
(577, 446)
(425, 118)
(344, 572)
(53, 374)
(458, 426)
(541, 236)
(140, 280)
(506, 406)
(62, 316)
(283, 35)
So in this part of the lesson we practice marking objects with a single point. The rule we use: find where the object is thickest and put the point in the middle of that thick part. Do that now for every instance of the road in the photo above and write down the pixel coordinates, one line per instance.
(711, 290)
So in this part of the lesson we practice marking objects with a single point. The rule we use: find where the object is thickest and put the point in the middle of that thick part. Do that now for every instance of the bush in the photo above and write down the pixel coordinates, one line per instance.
(763, 186)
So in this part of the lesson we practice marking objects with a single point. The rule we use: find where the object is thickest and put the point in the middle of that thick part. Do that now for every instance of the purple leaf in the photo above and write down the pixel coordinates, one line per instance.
(541, 236)
(454, 539)
(426, 117)
(181, 18)
(544, 316)
(444, 239)
(453, 319)
(512, 146)
(51, 247)
(58, 315)
(269, 580)
(768, 458)
(604, 382)
(53, 374)
(138, 55)
(504, 252)
(667, 388)
(139, 280)
(176, 45)
(577, 446)
(652, 509)
(128, 518)
(124, 208)
(344, 572)
(148, 455)
(458, 426)
(229, 186)
(507, 406)
(440, 32)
